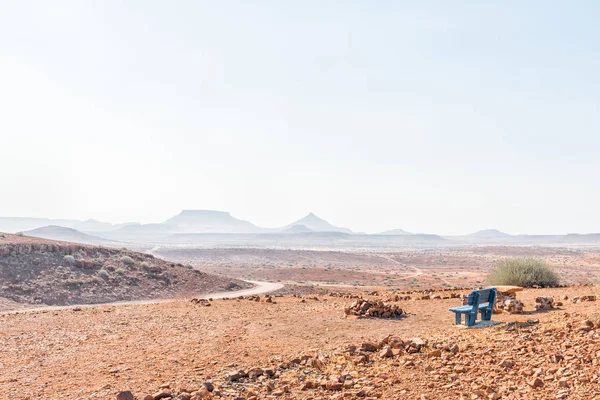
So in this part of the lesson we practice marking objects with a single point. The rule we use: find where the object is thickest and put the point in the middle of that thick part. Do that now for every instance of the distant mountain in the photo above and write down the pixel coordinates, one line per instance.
(61, 233)
(92, 225)
(396, 232)
(489, 234)
(298, 229)
(200, 221)
(20, 224)
(314, 223)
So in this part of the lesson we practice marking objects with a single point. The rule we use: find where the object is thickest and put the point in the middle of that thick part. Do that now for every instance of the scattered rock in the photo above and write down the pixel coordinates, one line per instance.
(126, 395)
(544, 303)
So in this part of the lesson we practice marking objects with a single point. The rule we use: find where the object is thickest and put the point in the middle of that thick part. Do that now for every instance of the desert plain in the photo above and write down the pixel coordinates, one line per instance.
(297, 342)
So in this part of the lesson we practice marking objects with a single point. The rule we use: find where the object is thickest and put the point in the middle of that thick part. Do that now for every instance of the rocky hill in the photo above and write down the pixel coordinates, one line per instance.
(54, 232)
(46, 272)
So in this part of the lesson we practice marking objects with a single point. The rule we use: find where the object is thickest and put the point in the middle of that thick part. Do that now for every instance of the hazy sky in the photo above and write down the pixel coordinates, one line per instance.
(431, 116)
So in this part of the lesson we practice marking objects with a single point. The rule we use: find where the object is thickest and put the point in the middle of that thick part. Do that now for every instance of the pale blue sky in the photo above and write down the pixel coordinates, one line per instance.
(431, 116)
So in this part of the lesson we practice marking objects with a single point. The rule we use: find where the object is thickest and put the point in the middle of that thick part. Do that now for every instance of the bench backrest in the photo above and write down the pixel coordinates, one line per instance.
(473, 300)
(477, 297)
(487, 296)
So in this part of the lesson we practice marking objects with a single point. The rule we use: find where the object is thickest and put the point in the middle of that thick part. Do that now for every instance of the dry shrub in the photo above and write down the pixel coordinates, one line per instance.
(525, 272)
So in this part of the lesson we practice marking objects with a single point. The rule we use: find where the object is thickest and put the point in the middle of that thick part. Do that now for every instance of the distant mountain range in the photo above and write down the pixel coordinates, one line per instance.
(61, 233)
(209, 226)
(21, 224)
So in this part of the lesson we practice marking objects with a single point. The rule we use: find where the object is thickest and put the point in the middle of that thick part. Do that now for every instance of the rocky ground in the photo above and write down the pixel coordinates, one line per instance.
(44, 272)
(303, 347)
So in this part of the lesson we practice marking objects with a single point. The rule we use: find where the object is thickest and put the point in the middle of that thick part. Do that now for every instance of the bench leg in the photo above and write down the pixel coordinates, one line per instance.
(486, 315)
(470, 319)
(458, 319)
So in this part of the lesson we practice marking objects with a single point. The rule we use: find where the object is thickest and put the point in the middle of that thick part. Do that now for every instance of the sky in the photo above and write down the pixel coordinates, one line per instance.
(430, 116)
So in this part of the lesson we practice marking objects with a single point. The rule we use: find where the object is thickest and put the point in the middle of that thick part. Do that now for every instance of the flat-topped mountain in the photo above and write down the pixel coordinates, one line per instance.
(314, 223)
(201, 221)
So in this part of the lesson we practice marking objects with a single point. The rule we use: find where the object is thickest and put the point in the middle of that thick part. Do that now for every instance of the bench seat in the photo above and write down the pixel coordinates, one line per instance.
(462, 309)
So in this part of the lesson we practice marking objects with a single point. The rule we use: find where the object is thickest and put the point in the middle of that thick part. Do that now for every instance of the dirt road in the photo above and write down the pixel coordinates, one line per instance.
(259, 288)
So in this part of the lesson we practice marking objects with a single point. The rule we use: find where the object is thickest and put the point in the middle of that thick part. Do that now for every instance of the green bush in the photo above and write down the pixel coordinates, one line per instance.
(68, 259)
(120, 271)
(127, 260)
(102, 273)
(525, 272)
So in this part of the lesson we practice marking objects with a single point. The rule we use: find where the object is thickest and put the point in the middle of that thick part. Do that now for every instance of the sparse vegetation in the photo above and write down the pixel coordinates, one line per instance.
(525, 272)
(102, 273)
(69, 259)
(127, 261)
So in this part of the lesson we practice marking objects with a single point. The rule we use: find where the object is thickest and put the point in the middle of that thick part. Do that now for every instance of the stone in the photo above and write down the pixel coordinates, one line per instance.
(544, 303)
(366, 346)
(536, 383)
(255, 373)
(460, 369)
(563, 383)
(126, 395)
(333, 385)
(203, 393)
(434, 353)
(163, 394)
(386, 352)
(236, 375)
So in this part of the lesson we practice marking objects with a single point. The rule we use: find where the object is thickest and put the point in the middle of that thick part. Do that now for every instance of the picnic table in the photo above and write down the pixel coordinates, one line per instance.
(507, 289)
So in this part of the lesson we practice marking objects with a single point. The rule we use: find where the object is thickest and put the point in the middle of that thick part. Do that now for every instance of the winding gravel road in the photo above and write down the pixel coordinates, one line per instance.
(259, 288)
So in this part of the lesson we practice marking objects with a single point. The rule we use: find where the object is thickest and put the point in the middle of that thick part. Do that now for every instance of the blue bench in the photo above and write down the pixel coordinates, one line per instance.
(478, 300)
